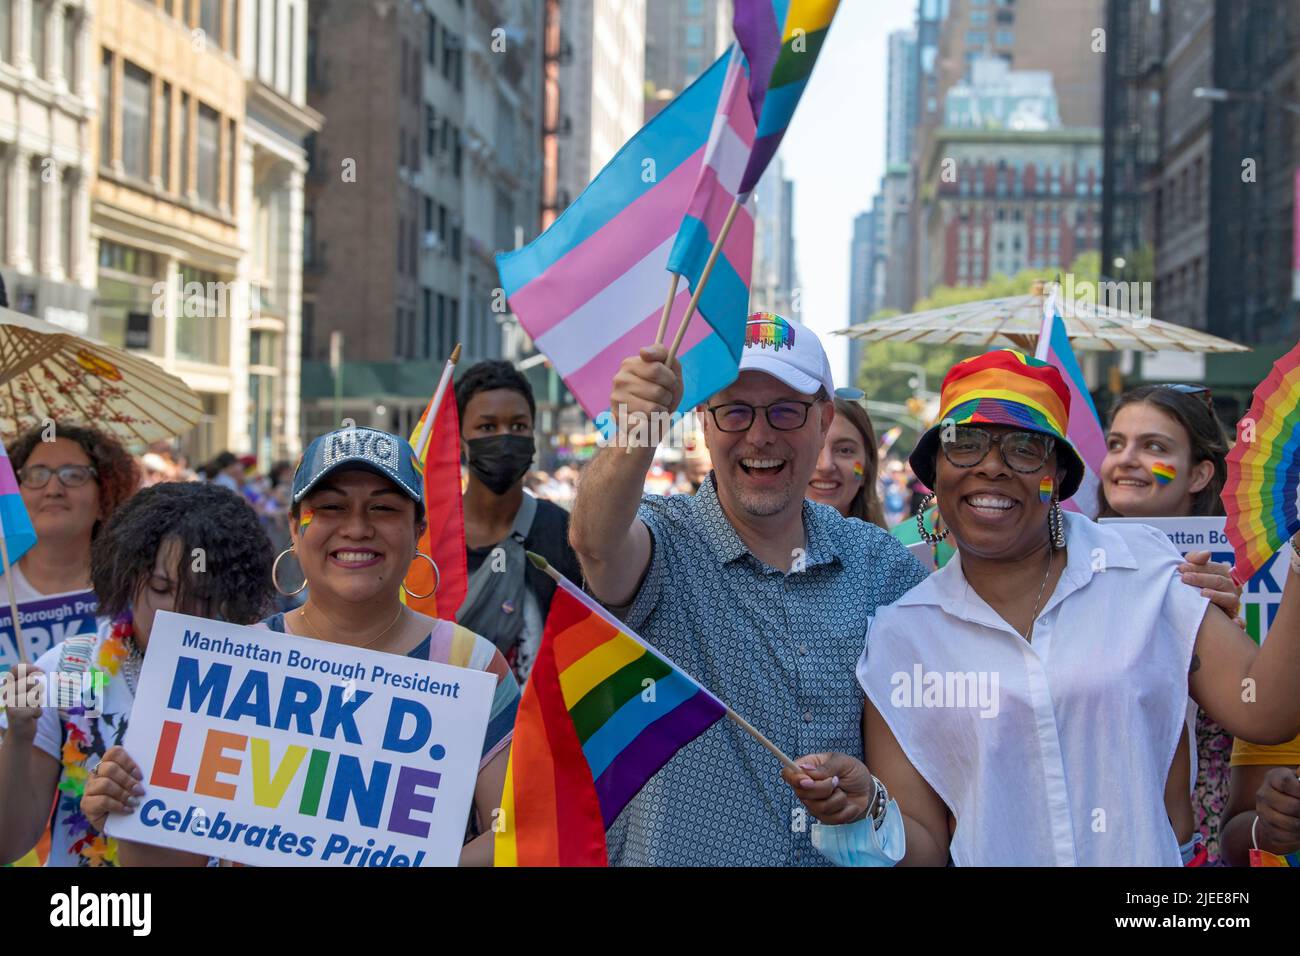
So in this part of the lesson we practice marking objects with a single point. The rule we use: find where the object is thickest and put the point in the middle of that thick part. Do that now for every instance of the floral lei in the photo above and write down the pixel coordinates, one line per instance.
(94, 847)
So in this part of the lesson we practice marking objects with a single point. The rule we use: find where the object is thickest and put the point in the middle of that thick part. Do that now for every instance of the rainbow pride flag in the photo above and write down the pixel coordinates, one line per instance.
(1085, 431)
(781, 40)
(590, 289)
(15, 523)
(1260, 495)
(601, 714)
(1264, 858)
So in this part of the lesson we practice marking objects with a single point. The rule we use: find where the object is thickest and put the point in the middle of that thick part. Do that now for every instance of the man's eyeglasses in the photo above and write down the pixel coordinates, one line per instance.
(739, 416)
(71, 476)
(1199, 391)
(1024, 452)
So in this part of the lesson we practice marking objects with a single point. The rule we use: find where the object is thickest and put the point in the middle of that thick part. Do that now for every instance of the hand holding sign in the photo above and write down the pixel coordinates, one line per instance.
(272, 749)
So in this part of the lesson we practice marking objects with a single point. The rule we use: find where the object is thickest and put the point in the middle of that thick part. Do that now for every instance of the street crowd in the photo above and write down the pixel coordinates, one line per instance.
(787, 564)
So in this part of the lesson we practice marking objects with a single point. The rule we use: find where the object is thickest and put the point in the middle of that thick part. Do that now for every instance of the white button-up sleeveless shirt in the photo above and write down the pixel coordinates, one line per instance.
(1053, 753)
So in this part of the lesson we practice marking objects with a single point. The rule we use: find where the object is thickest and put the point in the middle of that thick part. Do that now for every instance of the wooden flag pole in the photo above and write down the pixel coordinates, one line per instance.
(13, 602)
(436, 402)
(542, 564)
(668, 308)
(704, 277)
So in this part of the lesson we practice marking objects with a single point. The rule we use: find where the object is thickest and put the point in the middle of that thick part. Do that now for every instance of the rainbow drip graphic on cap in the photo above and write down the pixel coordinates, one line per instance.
(768, 330)
(1045, 489)
(858, 473)
(1164, 473)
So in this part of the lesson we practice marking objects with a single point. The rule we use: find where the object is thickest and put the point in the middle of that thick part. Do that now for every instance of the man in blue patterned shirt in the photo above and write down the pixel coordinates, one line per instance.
(761, 595)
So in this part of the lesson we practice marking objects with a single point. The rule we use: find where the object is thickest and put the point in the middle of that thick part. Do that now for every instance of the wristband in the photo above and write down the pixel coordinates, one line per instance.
(1295, 557)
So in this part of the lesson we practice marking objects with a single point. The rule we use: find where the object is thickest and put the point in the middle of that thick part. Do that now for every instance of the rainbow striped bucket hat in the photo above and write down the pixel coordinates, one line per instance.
(1003, 387)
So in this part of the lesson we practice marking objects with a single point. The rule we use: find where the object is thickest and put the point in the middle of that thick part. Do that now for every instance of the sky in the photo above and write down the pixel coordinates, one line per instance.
(834, 151)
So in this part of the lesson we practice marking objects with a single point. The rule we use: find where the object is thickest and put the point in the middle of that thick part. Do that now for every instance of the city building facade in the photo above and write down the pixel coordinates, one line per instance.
(47, 106)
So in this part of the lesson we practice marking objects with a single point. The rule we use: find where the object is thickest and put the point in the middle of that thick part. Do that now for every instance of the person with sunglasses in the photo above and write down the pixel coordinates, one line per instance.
(758, 592)
(71, 478)
(1166, 457)
(1026, 703)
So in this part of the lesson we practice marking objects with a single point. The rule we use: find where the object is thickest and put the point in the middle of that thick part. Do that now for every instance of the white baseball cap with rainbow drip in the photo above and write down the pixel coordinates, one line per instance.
(788, 351)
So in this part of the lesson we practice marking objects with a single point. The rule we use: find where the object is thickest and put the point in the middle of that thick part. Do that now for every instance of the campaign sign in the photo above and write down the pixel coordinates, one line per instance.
(275, 750)
(1262, 595)
(46, 622)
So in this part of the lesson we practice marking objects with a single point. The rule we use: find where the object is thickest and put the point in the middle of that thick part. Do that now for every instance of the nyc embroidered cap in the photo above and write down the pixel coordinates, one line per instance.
(365, 448)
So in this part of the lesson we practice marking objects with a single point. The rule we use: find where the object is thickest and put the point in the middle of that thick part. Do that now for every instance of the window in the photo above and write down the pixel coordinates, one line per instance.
(165, 159)
(313, 42)
(232, 171)
(430, 130)
(442, 223)
(405, 82)
(455, 155)
(448, 53)
(210, 20)
(71, 41)
(39, 10)
(106, 111)
(976, 37)
(186, 183)
(428, 214)
(67, 221)
(431, 41)
(693, 66)
(209, 136)
(1006, 38)
(694, 35)
(979, 17)
(401, 242)
(695, 8)
(137, 120)
(308, 238)
(291, 57)
(455, 242)
(6, 30)
(34, 193)
(427, 351)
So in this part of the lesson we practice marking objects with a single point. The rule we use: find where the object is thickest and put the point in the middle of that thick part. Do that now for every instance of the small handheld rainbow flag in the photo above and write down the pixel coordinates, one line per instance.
(1264, 471)
(590, 733)
(1264, 858)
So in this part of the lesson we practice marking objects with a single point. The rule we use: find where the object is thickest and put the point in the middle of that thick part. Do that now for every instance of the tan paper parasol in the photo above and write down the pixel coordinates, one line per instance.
(47, 372)
(1014, 322)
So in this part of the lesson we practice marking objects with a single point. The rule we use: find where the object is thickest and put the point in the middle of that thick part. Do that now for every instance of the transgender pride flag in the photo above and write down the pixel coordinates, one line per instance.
(1085, 431)
(15, 525)
(591, 289)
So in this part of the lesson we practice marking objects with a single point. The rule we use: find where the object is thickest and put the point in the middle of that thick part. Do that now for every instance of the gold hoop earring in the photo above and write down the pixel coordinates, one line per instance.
(275, 581)
(437, 578)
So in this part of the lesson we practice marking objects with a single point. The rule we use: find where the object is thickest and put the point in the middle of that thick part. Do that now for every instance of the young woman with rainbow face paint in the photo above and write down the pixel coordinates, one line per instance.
(848, 465)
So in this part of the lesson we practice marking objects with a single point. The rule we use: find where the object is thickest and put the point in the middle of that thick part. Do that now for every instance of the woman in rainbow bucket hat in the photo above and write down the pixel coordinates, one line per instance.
(1025, 704)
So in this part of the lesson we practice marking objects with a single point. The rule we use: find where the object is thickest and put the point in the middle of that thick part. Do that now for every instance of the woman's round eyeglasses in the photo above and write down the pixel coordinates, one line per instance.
(1025, 452)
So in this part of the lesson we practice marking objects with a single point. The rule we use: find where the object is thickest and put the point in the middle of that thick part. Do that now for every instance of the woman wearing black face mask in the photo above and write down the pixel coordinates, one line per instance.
(508, 598)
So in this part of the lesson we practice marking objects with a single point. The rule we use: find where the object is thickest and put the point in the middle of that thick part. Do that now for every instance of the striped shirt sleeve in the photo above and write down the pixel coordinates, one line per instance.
(461, 647)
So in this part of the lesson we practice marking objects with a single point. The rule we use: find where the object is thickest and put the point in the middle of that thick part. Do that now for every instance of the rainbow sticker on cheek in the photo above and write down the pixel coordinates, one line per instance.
(1045, 489)
(858, 473)
(305, 520)
(1163, 473)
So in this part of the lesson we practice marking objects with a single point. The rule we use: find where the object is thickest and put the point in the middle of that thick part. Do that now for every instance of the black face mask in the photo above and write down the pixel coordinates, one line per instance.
(500, 460)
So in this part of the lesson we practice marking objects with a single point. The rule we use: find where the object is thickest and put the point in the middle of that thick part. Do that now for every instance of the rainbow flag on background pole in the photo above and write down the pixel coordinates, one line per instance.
(15, 523)
(590, 732)
(436, 442)
(1085, 431)
(781, 40)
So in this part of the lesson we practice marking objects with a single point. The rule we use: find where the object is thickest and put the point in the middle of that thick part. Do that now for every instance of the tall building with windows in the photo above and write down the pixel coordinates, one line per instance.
(682, 37)
(47, 105)
(166, 202)
(428, 164)
(272, 172)
(601, 84)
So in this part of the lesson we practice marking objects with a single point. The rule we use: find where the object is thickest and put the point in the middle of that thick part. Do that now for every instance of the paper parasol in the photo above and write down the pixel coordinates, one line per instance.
(1264, 470)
